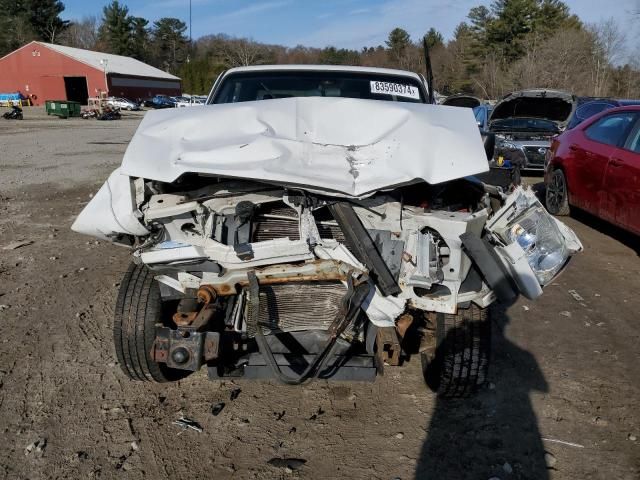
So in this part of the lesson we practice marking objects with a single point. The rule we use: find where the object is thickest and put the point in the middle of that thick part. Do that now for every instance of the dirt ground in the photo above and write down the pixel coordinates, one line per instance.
(565, 367)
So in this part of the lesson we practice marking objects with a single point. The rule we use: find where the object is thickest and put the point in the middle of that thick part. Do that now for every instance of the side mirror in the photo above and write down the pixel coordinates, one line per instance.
(489, 140)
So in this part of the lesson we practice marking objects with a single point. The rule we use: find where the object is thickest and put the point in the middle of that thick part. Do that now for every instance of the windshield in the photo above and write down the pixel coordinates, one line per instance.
(251, 86)
(524, 125)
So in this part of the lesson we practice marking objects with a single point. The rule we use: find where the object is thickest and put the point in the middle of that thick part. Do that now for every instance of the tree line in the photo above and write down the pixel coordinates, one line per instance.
(510, 45)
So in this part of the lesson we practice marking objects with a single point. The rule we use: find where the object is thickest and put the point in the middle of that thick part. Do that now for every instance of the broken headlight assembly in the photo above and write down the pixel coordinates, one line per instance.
(539, 236)
(507, 145)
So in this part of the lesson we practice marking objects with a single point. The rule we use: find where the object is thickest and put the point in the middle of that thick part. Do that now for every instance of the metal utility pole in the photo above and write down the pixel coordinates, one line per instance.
(190, 38)
(104, 63)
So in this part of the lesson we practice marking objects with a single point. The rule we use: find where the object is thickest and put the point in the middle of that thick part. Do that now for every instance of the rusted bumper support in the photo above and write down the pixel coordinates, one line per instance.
(316, 271)
(185, 349)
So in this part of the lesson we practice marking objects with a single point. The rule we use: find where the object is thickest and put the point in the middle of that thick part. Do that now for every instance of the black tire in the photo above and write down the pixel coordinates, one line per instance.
(461, 360)
(557, 194)
(138, 311)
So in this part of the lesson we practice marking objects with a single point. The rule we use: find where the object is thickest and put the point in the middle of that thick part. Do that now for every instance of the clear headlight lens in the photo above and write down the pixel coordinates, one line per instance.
(538, 235)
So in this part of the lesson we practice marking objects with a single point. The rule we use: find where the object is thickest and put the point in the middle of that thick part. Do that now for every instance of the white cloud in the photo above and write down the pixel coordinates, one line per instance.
(372, 27)
(254, 8)
(237, 22)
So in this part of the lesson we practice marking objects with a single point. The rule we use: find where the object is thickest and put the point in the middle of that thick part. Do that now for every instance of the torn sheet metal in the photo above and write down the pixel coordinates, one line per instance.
(342, 146)
(112, 211)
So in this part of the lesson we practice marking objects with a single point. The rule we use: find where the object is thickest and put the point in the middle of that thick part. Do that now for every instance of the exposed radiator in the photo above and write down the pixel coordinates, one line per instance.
(269, 228)
(277, 220)
(298, 306)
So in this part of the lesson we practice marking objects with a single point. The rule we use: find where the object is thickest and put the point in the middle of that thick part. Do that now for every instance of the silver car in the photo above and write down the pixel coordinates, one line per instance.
(122, 103)
(524, 123)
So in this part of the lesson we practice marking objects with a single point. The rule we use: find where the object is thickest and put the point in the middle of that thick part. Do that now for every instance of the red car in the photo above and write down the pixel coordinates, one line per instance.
(596, 167)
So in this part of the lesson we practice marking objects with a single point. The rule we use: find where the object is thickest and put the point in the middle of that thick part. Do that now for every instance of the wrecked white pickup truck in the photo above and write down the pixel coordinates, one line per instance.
(317, 222)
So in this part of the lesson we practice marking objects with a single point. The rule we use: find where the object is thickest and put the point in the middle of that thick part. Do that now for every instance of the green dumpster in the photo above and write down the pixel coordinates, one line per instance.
(62, 108)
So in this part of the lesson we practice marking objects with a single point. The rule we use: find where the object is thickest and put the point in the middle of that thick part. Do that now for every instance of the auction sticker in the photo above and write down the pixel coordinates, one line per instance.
(398, 89)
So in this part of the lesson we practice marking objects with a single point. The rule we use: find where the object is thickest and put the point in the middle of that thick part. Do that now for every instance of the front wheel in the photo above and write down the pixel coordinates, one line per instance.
(139, 308)
(557, 194)
(459, 362)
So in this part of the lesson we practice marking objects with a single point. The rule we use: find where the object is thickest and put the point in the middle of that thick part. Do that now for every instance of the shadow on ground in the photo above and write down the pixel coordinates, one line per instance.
(495, 433)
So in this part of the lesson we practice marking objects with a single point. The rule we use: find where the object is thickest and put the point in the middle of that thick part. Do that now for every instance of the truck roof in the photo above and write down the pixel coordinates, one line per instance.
(324, 68)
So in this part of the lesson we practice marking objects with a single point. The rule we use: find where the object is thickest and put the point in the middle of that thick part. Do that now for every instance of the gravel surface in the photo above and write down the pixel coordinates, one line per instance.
(66, 152)
(562, 400)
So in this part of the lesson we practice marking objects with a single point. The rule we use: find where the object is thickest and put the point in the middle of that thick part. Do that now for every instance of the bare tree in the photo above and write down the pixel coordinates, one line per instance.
(562, 61)
(608, 49)
(51, 29)
(492, 79)
(242, 52)
(81, 34)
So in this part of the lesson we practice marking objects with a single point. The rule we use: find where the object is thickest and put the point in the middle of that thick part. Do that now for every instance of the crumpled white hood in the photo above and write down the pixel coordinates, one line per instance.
(336, 145)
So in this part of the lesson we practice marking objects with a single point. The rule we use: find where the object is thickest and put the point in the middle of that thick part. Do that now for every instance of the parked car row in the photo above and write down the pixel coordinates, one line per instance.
(192, 101)
(587, 147)
(165, 101)
(524, 122)
(158, 101)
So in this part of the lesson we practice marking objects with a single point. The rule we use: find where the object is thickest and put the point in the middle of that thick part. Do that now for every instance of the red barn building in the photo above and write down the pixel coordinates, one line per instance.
(44, 71)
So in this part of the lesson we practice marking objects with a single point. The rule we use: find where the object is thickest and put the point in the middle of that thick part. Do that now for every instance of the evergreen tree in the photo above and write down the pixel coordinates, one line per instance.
(335, 56)
(398, 44)
(24, 20)
(198, 76)
(465, 61)
(511, 22)
(170, 43)
(44, 18)
(398, 40)
(480, 19)
(11, 22)
(116, 31)
(434, 38)
(140, 39)
(553, 15)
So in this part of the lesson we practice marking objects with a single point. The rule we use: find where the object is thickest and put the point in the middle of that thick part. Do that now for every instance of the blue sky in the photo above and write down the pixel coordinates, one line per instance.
(342, 23)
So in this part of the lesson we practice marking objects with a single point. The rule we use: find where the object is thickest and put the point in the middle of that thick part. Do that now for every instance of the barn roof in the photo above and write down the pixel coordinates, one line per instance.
(115, 63)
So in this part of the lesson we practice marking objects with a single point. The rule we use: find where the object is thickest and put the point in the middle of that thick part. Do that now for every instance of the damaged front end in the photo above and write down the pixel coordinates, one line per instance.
(269, 279)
